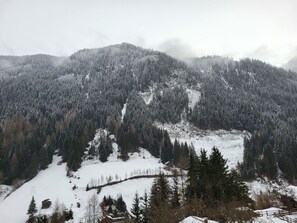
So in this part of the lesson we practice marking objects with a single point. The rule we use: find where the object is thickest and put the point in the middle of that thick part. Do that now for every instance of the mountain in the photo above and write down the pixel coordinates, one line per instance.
(60, 102)
(122, 101)
(291, 65)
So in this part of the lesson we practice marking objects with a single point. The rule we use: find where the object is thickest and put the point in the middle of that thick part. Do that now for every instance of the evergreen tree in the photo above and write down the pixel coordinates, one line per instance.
(218, 174)
(135, 210)
(160, 191)
(33, 167)
(32, 210)
(120, 204)
(204, 184)
(175, 200)
(193, 174)
(144, 209)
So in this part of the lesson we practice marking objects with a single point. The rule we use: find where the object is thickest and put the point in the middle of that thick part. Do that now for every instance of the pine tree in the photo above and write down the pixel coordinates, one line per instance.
(32, 208)
(136, 209)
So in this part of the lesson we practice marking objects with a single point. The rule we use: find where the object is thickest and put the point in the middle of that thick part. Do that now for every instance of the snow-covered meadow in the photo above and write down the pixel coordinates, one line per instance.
(230, 143)
(53, 184)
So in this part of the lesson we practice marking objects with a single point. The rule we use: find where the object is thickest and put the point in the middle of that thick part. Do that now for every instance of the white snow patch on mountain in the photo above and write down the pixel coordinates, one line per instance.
(230, 143)
(124, 111)
(194, 97)
(148, 96)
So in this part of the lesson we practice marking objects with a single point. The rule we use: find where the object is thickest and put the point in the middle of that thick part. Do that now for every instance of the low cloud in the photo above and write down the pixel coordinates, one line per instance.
(177, 48)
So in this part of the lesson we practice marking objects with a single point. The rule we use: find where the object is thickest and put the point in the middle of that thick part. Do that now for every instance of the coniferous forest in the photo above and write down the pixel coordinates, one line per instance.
(53, 105)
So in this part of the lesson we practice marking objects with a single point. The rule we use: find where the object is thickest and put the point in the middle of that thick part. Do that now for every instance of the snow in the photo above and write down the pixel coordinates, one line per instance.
(66, 77)
(230, 143)
(194, 97)
(53, 184)
(124, 111)
(141, 163)
(5, 190)
(148, 95)
(267, 215)
(194, 219)
(128, 189)
(153, 58)
(261, 186)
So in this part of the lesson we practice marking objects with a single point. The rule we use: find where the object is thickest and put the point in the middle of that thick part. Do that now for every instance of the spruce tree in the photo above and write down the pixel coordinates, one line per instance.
(218, 174)
(175, 200)
(32, 208)
(192, 175)
(144, 209)
(136, 209)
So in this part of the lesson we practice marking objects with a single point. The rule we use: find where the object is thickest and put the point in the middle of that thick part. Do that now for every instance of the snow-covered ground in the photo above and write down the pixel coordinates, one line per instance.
(148, 95)
(5, 191)
(194, 97)
(261, 186)
(194, 219)
(53, 184)
(268, 215)
(230, 143)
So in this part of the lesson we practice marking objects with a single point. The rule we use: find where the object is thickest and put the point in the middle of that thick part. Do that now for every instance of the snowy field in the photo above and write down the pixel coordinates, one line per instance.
(230, 143)
(53, 184)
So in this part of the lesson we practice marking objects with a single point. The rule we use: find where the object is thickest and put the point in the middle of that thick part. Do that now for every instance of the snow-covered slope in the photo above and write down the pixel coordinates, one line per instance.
(194, 97)
(230, 143)
(5, 191)
(53, 184)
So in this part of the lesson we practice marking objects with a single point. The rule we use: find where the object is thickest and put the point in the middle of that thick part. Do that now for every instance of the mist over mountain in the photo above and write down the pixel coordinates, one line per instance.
(291, 65)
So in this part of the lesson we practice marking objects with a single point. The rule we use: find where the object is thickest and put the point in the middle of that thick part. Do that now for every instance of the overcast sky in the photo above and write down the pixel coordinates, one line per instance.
(262, 29)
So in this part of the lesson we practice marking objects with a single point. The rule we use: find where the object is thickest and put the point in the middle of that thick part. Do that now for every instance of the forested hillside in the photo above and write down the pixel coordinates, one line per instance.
(54, 105)
(254, 96)
(50, 104)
